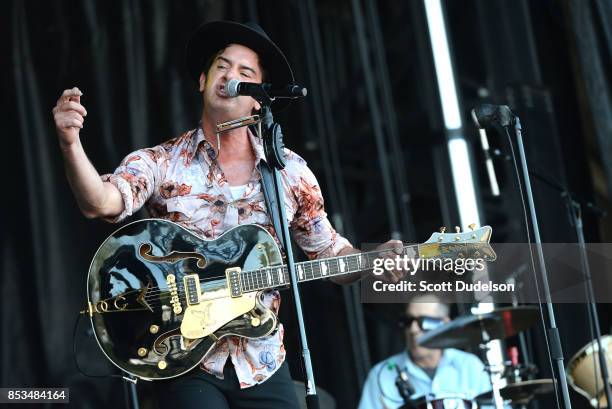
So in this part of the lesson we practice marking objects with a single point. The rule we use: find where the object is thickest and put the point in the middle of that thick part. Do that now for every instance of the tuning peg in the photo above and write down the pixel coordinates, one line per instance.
(457, 229)
(442, 229)
(472, 226)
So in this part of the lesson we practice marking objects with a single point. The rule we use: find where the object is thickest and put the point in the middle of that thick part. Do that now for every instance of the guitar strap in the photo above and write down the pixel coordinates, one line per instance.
(267, 186)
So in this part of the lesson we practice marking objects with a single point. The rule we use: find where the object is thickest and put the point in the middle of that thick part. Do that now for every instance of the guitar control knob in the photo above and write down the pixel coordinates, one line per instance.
(142, 352)
(162, 365)
(154, 329)
(255, 322)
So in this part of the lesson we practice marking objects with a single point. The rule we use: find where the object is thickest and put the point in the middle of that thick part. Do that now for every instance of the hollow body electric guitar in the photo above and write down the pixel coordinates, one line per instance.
(160, 297)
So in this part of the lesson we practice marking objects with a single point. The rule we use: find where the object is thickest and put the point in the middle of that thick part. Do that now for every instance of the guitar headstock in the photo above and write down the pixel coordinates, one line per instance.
(468, 244)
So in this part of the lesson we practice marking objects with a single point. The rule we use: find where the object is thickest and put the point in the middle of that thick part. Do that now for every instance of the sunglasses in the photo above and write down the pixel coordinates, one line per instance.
(424, 322)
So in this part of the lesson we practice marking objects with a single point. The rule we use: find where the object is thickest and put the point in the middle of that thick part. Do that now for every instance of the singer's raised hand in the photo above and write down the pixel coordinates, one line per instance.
(69, 114)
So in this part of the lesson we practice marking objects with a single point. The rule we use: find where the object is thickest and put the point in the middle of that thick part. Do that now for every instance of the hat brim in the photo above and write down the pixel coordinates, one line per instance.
(211, 37)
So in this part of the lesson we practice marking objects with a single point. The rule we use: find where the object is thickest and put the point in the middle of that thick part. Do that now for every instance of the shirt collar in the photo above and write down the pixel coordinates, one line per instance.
(257, 145)
(198, 138)
(416, 370)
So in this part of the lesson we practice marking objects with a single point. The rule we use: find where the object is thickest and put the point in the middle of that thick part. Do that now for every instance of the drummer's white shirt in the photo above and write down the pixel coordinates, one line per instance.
(459, 374)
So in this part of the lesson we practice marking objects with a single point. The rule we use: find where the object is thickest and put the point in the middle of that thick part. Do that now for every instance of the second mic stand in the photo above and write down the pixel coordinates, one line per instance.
(576, 214)
(574, 209)
(275, 157)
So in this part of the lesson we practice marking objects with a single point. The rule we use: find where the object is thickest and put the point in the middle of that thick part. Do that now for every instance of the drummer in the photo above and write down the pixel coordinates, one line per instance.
(431, 373)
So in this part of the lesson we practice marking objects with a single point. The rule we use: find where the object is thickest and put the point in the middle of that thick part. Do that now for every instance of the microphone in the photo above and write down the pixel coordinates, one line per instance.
(486, 115)
(234, 88)
(404, 386)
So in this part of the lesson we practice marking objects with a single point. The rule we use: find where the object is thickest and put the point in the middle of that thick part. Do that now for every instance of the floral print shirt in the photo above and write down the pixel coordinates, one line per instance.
(179, 181)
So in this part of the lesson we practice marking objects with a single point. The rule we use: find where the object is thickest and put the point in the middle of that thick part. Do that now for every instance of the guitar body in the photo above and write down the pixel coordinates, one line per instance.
(138, 303)
(160, 297)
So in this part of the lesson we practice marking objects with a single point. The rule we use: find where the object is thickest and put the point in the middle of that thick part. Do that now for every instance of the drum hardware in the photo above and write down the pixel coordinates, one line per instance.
(516, 372)
(450, 402)
(478, 330)
(519, 393)
(484, 348)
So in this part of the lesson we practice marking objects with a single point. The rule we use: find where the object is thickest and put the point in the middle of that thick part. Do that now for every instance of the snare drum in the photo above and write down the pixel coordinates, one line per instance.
(445, 403)
(583, 373)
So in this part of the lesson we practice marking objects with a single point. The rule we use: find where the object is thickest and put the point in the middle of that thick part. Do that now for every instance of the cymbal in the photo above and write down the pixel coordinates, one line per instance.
(467, 330)
(519, 392)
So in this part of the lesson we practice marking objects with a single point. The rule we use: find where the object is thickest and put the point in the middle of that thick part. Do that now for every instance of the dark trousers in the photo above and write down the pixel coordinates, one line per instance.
(201, 390)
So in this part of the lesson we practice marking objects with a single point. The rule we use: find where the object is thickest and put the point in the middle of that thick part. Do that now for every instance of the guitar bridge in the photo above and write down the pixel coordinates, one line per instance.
(233, 281)
(192, 289)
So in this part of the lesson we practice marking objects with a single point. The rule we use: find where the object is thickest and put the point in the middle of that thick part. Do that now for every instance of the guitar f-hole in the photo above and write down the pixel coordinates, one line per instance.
(172, 257)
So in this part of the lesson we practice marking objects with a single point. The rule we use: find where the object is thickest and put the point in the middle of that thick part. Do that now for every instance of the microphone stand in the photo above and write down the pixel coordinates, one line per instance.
(553, 331)
(574, 209)
(275, 157)
(131, 394)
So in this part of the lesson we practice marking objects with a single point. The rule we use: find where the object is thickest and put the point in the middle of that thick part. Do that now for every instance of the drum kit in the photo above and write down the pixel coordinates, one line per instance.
(514, 389)
(584, 374)
(478, 330)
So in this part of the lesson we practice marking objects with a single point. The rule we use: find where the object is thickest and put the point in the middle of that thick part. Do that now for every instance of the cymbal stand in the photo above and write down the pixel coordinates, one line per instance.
(497, 399)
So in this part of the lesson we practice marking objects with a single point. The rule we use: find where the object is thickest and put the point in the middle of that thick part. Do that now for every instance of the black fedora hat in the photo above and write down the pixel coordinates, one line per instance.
(211, 37)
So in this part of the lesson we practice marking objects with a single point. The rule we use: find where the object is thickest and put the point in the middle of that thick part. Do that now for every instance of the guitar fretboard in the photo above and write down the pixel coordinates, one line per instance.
(272, 277)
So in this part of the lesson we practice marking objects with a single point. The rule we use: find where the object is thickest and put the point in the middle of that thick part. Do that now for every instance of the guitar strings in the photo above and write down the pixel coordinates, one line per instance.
(157, 294)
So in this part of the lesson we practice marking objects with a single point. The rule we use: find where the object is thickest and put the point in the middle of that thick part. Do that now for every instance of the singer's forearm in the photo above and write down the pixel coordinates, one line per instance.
(94, 197)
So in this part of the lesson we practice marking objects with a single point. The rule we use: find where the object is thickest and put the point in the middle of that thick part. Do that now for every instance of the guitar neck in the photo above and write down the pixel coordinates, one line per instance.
(278, 276)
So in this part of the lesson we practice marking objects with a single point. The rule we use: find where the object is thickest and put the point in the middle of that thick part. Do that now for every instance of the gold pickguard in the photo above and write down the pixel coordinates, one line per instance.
(215, 310)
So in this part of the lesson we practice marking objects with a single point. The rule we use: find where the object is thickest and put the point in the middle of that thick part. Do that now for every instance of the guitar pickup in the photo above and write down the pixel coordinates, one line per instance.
(233, 281)
(192, 289)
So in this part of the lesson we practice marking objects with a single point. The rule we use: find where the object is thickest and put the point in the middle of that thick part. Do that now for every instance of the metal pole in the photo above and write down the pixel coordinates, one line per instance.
(575, 209)
(556, 350)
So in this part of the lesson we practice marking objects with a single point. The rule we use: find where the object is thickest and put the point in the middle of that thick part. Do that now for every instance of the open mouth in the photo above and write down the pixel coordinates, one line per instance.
(221, 91)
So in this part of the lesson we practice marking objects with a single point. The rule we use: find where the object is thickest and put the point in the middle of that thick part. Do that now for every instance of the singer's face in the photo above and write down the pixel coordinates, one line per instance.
(234, 62)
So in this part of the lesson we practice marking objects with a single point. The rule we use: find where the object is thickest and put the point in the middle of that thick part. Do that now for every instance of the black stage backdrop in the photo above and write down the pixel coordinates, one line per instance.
(127, 58)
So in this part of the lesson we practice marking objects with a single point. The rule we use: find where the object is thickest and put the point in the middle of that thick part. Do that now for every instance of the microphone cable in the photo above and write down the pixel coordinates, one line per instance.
(76, 361)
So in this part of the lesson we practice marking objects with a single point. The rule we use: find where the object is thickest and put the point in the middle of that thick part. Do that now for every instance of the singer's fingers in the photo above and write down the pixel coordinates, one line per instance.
(72, 94)
(71, 122)
(68, 119)
(73, 106)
